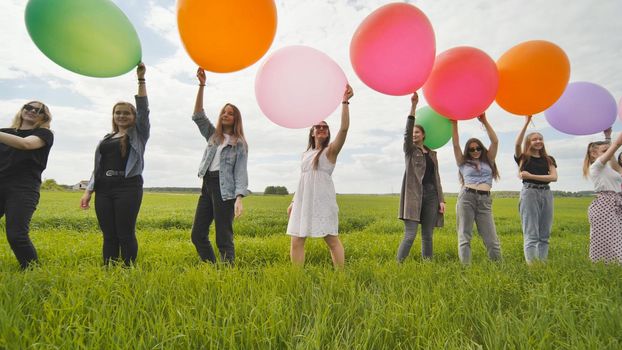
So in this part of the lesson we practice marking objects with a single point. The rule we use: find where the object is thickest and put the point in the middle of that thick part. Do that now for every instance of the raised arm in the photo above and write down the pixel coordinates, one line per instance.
(494, 140)
(519, 139)
(205, 126)
(455, 140)
(335, 147)
(140, 73)
(608, 156)
(410, 124)
(198, 103)
(143, 126)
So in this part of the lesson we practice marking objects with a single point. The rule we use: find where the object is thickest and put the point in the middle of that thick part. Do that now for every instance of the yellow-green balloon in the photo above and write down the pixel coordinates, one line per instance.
(88, 37)
(437, 128)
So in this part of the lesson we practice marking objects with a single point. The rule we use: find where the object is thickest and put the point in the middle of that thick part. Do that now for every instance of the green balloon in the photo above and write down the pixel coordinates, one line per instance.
(437, 128)
(88, 37)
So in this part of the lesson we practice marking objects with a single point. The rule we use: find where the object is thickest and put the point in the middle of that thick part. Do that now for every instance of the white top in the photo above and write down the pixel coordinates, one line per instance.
(605, 178)
(215, 164)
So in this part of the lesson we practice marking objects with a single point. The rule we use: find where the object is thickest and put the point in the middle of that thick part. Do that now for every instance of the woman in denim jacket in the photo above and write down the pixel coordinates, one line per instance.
(117, 176)
(225, 178)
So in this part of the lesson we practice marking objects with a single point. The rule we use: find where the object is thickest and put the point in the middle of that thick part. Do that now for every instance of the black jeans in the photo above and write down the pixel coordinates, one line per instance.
(18, 205)
(117, 202)
(210, 208)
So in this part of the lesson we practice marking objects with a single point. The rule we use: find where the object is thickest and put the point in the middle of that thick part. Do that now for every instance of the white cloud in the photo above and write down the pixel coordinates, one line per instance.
(372, 159)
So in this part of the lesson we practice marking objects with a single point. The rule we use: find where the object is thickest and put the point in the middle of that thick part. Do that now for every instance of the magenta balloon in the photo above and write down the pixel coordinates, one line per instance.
(298, 86)
(392, 50)
(463, 83)
(583, 109)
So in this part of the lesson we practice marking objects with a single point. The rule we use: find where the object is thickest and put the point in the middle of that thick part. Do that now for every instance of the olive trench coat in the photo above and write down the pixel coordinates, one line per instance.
(412, 188)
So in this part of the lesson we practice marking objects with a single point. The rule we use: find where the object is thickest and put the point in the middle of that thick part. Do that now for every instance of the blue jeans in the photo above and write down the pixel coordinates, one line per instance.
(428, 218)
(476, 208)
(536, 212)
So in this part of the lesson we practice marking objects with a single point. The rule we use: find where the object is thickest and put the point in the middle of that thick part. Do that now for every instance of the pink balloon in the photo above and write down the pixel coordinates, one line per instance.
(392, 50)
(298, 86)
(463, 83)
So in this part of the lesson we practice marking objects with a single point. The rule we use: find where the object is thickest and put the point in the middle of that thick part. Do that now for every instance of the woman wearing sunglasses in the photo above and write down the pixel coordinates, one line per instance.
(605, 212)
(421, 198)
(225, 178)
(537, 169)
(24, 150)
(313, 211)
(477, 169)
(117, 176)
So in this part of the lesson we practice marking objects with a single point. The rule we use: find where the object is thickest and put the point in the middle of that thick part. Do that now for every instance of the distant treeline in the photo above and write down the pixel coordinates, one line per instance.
(51, 185)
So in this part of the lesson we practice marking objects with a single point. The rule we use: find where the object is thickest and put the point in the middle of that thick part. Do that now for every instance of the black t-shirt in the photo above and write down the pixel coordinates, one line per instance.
(22, 167)
(429, 175)
(536, 166)
(111, 159)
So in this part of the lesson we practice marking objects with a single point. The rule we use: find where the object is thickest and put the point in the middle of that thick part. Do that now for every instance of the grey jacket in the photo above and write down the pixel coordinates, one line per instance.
(138, 136)
(233, 159)
(412, 188)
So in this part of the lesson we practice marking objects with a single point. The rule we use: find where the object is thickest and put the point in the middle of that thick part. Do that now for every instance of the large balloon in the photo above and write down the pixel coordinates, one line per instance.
(226, 35)
(298, 86)
(393, 49)
(463, 83)
(437, 128)
(88, 37)
(620, 109)
(584, 108)
(532, 76)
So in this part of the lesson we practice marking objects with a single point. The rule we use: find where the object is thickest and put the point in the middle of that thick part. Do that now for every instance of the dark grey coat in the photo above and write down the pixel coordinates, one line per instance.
(412, 189)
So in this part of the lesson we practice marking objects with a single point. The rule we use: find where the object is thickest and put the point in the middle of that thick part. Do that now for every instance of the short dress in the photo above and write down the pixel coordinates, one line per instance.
(314, 212)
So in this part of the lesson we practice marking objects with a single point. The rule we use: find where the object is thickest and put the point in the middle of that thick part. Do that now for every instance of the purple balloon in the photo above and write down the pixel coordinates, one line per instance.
(583, 109)
(620, 109)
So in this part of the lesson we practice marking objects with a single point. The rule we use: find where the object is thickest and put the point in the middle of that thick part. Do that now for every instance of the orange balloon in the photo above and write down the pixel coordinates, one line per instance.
(532, 76)
(226, 35)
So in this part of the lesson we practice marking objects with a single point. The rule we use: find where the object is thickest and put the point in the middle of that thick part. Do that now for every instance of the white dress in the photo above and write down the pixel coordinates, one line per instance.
(314, 211)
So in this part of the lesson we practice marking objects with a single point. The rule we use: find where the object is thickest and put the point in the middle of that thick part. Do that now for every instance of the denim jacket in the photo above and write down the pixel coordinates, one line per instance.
(233, 158)
(138, 136)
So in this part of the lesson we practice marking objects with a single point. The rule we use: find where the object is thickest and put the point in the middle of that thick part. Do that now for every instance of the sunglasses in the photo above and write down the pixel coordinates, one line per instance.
(475, 149)
(30, 108)
(320, 127)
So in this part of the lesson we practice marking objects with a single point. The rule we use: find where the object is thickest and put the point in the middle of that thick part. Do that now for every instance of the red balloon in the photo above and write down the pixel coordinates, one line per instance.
(392, 50)
(463, 83)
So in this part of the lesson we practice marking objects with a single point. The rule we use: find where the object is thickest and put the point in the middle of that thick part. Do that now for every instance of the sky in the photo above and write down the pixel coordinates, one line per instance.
(372, 160)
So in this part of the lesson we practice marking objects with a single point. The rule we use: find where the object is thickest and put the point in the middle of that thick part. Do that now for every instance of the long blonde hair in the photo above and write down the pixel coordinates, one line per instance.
(238, 129)
(43, 123)
(589, 160)
(526, 155)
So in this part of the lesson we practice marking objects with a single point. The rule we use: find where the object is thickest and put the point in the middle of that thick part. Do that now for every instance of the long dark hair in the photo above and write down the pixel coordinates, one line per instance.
(483, 157)
(323, 145)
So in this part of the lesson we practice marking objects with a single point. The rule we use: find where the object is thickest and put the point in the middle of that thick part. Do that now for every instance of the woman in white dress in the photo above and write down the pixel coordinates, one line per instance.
(313, 211)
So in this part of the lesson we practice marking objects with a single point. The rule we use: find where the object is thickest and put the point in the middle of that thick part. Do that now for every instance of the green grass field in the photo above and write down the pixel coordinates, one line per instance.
(171, 300)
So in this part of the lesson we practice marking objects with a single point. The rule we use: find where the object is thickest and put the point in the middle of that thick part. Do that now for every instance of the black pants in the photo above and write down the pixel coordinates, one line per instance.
(18, 205)
(117, 202)
(210, 208)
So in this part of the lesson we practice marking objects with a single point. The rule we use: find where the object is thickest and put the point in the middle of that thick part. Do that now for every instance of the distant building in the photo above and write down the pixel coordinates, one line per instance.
(80, 185)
